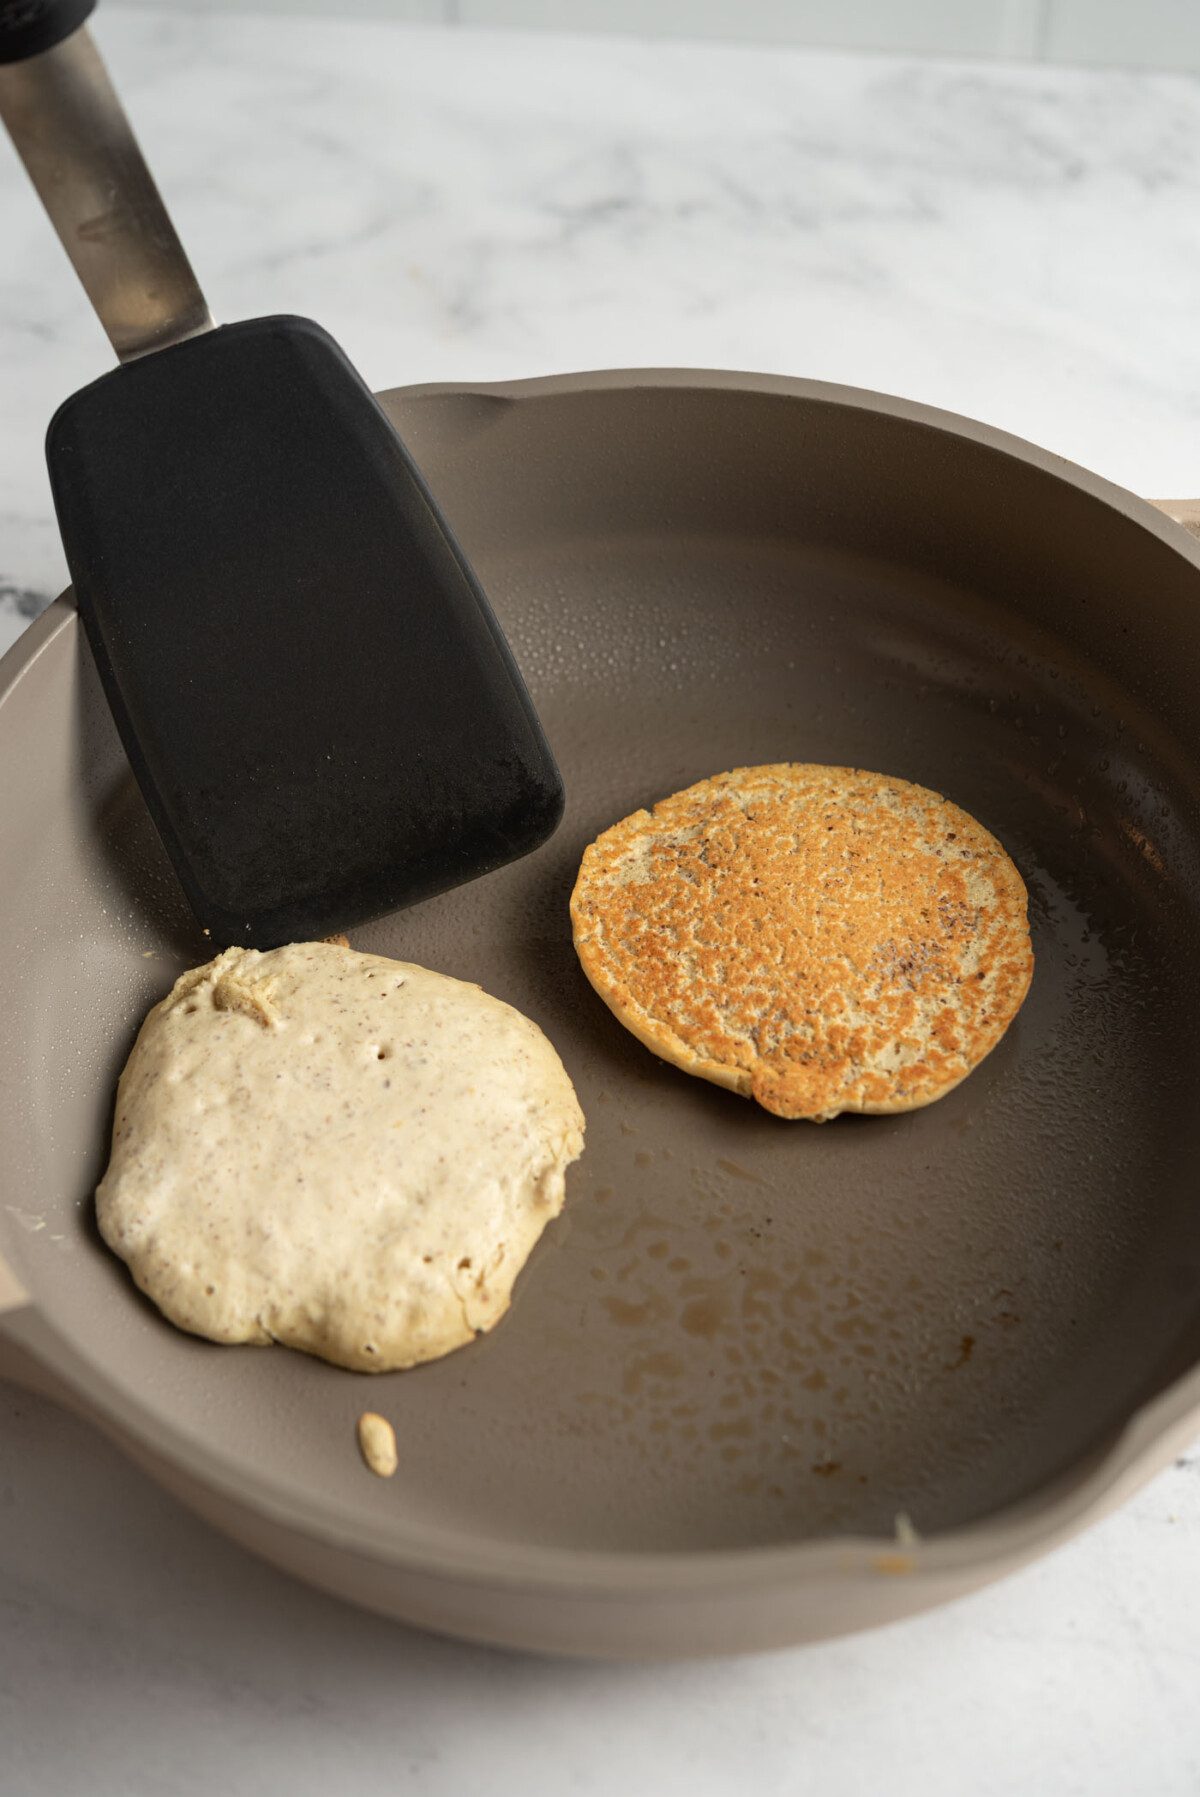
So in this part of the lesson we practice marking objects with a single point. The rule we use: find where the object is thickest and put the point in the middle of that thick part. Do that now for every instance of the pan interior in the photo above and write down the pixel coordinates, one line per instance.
(742, 1331)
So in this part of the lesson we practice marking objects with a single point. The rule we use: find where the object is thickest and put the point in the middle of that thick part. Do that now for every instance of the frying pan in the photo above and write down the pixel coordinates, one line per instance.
(763, 1382)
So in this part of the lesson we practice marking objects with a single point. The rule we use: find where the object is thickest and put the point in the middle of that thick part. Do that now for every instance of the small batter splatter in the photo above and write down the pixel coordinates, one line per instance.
(377, 1442)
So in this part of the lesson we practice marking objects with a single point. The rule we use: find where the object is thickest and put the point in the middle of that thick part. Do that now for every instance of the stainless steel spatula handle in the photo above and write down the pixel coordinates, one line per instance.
(71, 133)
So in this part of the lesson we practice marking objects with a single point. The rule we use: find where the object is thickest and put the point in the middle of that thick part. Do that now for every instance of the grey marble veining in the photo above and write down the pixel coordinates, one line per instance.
(1020, 244)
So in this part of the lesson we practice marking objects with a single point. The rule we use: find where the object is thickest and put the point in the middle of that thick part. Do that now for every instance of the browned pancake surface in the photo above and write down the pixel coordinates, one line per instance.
(818, 938)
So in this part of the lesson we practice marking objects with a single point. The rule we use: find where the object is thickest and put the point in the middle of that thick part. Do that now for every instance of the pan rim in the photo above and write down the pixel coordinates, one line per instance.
(1008, 1536)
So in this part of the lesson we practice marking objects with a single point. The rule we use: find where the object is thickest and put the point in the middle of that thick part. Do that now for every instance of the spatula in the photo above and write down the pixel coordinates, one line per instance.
(313, 692)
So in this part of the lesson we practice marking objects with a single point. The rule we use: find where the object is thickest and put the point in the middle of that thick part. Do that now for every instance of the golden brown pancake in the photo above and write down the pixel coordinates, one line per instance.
(817, 938)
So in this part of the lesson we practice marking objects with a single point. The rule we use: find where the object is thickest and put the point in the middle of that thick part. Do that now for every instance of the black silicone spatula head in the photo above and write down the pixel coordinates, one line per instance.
(313, 692)
(311, 688)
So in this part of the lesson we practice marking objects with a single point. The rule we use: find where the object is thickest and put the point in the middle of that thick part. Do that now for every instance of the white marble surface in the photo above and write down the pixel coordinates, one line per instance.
(1021, 244)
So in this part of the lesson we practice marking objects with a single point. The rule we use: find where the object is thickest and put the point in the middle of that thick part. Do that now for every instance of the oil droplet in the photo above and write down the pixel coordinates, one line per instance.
(704, 1315)
(630, 1315)
(740, 1427)
(650, 1366)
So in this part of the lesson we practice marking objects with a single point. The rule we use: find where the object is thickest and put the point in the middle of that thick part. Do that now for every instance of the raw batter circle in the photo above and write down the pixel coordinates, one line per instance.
(343, 1153)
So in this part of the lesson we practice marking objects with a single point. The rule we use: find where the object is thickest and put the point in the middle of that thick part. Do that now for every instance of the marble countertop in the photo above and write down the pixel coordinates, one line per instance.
(1022, 244)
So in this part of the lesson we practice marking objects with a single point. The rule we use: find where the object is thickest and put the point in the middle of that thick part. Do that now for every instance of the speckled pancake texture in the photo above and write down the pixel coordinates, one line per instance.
(818, 938)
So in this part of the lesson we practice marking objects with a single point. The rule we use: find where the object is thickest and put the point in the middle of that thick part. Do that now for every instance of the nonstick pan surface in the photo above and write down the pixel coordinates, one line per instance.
(751, 1353)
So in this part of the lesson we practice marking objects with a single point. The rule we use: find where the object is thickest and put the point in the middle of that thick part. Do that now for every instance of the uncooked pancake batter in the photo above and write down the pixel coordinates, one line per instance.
(343, 1153)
